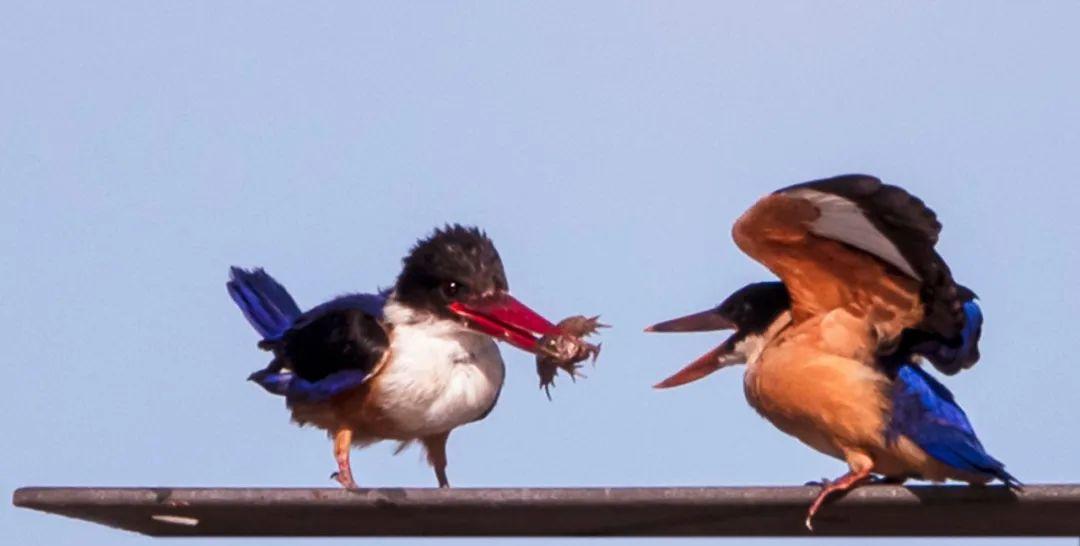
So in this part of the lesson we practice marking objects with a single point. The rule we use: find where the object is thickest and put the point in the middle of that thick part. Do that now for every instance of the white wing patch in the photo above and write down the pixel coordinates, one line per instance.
(842, 220)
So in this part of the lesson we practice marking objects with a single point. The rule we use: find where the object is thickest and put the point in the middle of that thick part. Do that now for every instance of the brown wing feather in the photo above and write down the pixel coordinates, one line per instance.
(822, 274)
(906, 234)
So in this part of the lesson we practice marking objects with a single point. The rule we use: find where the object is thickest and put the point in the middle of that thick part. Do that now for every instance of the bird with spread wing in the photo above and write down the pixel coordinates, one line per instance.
(834, 349)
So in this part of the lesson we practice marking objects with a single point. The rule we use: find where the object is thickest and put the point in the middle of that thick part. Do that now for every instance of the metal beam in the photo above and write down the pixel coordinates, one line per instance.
(1044, 510)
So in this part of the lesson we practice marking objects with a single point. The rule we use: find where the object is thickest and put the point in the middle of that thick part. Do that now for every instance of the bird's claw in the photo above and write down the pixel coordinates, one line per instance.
(345, 480)
(824, 484)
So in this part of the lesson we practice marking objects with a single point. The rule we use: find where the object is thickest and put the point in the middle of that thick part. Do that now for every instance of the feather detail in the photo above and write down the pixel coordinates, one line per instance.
(842, 220)
(319, 354)
(952, 357)
(265, 303)
(296, 389)
(896, 227)
(926, 412)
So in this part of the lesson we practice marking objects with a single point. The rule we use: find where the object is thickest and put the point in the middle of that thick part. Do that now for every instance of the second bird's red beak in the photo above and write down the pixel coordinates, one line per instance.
(705, 321)
(501, 316)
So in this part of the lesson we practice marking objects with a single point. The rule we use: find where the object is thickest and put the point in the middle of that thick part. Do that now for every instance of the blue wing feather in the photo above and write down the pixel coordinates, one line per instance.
(950, 359)
(926, 412)
(298, 389)
(274, 314)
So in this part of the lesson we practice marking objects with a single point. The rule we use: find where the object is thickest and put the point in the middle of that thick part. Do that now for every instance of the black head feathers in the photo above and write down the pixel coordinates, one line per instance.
(455, 262)
(754, 307)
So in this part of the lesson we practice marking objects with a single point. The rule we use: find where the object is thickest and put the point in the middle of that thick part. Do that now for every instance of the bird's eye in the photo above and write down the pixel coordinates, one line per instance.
(451, 289)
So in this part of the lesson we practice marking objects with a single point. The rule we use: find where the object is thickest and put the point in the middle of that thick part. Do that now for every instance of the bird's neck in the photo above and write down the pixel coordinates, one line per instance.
(398, 315)
(753, 345)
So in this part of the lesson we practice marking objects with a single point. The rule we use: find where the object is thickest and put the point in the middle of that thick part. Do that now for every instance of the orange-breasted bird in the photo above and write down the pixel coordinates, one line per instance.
(834, 349)
(408, 364)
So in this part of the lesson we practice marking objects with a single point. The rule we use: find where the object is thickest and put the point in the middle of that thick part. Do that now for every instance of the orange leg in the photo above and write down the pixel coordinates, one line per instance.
(841, 485)
(342, 444)
(436, 455)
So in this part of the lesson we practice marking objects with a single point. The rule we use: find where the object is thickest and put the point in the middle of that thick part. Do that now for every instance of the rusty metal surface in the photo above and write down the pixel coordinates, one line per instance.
(1047, 510)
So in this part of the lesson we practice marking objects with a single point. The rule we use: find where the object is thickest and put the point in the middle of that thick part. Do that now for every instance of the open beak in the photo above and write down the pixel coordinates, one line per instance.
(705, 321)
(503, 317)
(724, 355)
(705, 364)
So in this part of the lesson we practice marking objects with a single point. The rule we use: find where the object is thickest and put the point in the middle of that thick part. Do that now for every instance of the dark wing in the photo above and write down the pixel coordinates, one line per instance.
(894, 226)
(854, 242)
(796, 236)
(948, 355)
(328, 350)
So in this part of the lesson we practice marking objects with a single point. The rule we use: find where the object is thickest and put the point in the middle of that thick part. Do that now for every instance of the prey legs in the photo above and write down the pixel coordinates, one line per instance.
(342, 445)
(436, 455)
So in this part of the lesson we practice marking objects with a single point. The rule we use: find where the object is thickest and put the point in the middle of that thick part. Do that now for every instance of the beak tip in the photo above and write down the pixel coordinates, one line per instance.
(704, 321)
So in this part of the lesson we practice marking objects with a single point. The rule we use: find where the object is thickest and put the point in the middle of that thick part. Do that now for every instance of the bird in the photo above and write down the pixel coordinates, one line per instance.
(835, 349)
(410, 363)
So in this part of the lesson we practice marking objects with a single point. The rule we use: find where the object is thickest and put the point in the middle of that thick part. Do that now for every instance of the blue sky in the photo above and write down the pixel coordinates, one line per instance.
(607, 147)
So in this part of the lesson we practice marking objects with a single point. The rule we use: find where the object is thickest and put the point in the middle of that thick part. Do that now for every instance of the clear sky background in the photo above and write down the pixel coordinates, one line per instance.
(606, 148)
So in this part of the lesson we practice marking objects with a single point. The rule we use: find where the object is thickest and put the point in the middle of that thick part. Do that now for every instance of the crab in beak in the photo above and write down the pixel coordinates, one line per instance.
(556, 346)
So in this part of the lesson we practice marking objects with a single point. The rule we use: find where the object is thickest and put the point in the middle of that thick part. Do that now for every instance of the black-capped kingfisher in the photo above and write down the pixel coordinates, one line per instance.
(834, 349)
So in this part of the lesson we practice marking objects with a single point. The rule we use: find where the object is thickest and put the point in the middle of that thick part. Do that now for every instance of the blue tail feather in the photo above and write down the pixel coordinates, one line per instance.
(265, 303)
(926, 412)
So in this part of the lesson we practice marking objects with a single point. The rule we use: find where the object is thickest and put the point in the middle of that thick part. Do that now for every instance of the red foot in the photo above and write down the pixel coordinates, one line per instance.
(344, 473)
(345, 479)
(841, 485)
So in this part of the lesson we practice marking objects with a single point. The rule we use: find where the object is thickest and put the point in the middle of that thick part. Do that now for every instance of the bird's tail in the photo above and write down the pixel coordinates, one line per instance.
(265, 303)
(927, 413)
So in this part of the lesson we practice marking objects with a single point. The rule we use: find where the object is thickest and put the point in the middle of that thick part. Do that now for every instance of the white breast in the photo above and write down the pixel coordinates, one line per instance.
(440, 376)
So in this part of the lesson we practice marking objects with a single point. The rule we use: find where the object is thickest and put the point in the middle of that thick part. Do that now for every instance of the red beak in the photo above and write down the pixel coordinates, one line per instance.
(707, 363)
(705, 321)
(704, 365)
(503, 317)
